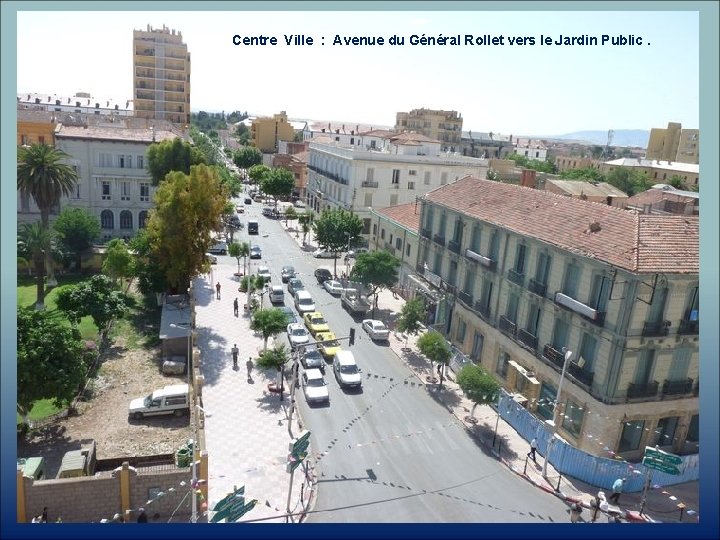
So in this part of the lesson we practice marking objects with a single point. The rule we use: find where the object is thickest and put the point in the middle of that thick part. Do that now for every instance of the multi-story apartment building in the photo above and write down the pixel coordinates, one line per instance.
(293, 157)
(395, 229)
(36, 127)
(266, 132)
(674, 144)
(81, 102)
(444, 126)
(114, 183)
(658, 171)
(383, 170)
(531, 149)
(486, 145)
(528, 274)
(344, 133)
(161, 75)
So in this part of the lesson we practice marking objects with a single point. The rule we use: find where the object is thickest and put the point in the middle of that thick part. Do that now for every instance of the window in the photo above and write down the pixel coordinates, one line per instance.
(142, 219)
(469, 282)
(458, 231)
(437, 266)
(512, 307)
(105, 191)
(657, 308)
(407, 249)
(105, 160)
(478, 342)
(368, 199)
(140, 162)
(693, 433)
(680, 364)
(572, 279)
(546, 401)
(125, 191)
(144, 192)
(443, 178)
(443, 223)
(502, 364)
(533, 320)
(644, 367)
(543, 268)
(412, 172)
(486, 296)
(121, 161)
(107, 219)
(24, 140)
(398, 243)
(427, 178)
(573, 417)
(382, 234)
(366, 226)
(429, 217)
(460, 331)
(520, 259)
(76, 191)
(599, 293)
(537, 154)
(665, 431)
(495, 245)
(411, 185)
(370, 174)
(374, 229)
(41, 139)
(475, 238)
(352, 140)
(588, 350)
(396, 176)
(452, 274)
(393, 199)
(391, 239)
(631, 435)
(560, 334)
(126, 219)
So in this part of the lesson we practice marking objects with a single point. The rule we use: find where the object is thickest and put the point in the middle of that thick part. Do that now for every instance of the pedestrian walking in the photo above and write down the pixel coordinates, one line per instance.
(236, 307)
(217, 290)
(142, 518)
(235, 352)
(249, 365)
(575, 511)
(43, 516)
(533, 449)
(617, 488)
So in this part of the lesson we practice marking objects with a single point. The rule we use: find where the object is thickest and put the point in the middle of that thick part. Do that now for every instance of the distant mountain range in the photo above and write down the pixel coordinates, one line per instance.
(621, 137)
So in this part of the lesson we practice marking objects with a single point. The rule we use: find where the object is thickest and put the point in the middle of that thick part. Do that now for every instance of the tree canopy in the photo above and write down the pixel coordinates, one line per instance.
(97, 297)
(376, 270)
(77, 230)
(412, 315)
(34, 242)
(269, 322)
(535, 164)
(336, 229)
(479, 386)
(628, 180)
(119, 262)
(434, 347)
(257, 173)
(172, 155)
(278, 183)
(247, 156)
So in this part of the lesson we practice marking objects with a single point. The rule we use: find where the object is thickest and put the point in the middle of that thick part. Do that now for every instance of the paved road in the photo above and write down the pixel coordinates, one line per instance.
(391, 452)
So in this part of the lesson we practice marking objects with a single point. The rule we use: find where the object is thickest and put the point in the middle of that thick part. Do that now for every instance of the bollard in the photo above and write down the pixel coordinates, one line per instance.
(558, 484)
(525, 469)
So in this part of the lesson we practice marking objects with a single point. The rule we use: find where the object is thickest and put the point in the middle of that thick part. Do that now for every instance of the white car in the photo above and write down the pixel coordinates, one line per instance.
(322, 253)
(353, 253)
(314, 385)
(376, 329)
(333, 287)
(212, 259)
(297, 335)
(264, 272)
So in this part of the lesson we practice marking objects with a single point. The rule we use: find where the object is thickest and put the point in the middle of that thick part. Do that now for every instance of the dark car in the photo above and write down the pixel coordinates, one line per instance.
(286, 273)
(322, 275)
(248, 200)
(311, 358)
(289, 314)
(255, 252)
(294, 285)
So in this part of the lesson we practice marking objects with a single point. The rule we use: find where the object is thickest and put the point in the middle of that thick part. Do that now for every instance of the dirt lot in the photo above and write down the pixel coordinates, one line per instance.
(124, 375)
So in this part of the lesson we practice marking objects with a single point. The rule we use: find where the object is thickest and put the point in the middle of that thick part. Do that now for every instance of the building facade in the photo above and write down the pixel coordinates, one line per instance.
(266, 132)
(531, 149)
(161, 75)
(674, 144)
(658, 171)
(485, 145)
(81, 102)
(36, 127)
(599, 192)
(444, 126)
(395, 230)
(384, 170)
(618, 289)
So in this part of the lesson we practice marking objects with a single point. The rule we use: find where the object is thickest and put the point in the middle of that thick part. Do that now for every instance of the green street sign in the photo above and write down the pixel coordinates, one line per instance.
(665, 457)
(298, 447)
(661, 466)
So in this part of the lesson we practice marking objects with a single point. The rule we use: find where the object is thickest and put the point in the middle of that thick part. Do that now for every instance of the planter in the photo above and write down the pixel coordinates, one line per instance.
(274, 388)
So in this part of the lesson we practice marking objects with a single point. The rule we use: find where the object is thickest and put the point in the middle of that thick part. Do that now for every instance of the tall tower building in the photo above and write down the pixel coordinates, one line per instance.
(161, 75)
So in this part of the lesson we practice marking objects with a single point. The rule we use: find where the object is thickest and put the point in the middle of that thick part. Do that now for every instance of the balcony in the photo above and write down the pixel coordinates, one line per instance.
(327, 174)
(674, 388)
(579, 374)
(454, 246)
(466, 299)
(516, 277)
(449, 287)
(591, 314)
(527, 339)
(640, 390)
(425, 233)
(507, 327)
(535, 287)
(482, 310)
(552, 355)
(480, 259)
(688, 327)
(439, 240)
(369, 184)
(655, 329)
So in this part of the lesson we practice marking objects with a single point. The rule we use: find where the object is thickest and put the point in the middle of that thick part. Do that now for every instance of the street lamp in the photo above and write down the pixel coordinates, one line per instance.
(556, 410)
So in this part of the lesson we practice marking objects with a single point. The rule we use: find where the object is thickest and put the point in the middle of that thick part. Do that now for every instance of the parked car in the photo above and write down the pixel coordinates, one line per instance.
(311, 357)
(256, 252)
(212, 259)
(346, 370)
(333, 286)
(355, 252)
(314, 386)
(304, 302)
(322, 253)
(289, 314)
(376, 329)
(248, 200)
(299, 204)
(315, 322)
(286, 273)
(277, 294)
(240, 209)
(172, 399)
(294, 285)
(327, 344)
(234, 222)
(322, 275)
(297, 335)
(219, 248)
(264, 272)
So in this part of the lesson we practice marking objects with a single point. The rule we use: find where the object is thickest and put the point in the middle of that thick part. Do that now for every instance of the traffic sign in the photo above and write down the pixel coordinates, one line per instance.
(228, 507)
(662, 466)
(665, 457)
(298, 447)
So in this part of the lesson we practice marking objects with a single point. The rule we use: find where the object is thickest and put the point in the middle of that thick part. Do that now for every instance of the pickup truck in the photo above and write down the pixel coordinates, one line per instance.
(355, 302)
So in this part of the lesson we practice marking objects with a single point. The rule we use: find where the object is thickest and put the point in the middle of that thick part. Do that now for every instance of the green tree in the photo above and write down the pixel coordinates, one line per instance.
(42, 176)
(243, 135)
(119, 262)
(676, 181)
(434, 347)
(50, 360)
(269, 322)
(229, 180)
(247, 156)
(479, 386)
(97, 297)
(278, 183)
(376, 270)
(290, 214)
(76, 230)
(254, 281)
(586, 173)
(306, 219)
(188, 209)
(150, 276)
(274, 358)
(412, 315)
(171, 155)
(336, 229)
(257, 173)
(34, 241)
(628, 180)
(240, 250)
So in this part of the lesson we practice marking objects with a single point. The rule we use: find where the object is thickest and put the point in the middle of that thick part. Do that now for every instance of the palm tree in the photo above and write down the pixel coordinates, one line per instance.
(34, 243)
(42, 176)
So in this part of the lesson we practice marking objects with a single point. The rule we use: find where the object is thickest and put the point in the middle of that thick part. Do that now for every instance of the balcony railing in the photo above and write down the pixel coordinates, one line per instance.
(369, 184)
(454, 246)
(527, 339)
(487, 262)
(655, 329)
(482, 310)
(552, 355)
(688, 327)
(638, 390)
(516, 277)
(425, 233)
(580, 374)
(535, 287)
(440, 240)
(327, 174)
(507, 326)
(670, 388)
(465, 298)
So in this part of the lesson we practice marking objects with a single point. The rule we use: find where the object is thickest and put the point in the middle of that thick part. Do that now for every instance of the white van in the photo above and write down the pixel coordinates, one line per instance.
(304, 302)
(346, 371)
(277, 294)
(173, 399)
(219, 247)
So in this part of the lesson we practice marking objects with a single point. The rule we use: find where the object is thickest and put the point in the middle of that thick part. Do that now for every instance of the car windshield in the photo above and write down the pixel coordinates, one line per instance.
(148, 401)
(296, 284)
(288, 270)
(317, 320)
(299, 332)
(311, 354)
(349, 369)
(316, 382)
(330, 343)
(306, 302)
(378, 326)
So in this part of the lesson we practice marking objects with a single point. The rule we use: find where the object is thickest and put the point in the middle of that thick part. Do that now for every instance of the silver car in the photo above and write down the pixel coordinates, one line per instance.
(333, 286)
(314, 386)
(297, 335)
(311, 358)
(376, 330)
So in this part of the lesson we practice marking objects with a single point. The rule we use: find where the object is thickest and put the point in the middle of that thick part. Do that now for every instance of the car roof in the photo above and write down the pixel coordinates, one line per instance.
(313, 373)
(295, 325)
(303, 294)
(325, 335)
(345, 357)
(312, 314)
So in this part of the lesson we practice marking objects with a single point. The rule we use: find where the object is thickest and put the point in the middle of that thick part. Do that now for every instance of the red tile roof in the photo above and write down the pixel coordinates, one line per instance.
(638, 243)
(407, 215)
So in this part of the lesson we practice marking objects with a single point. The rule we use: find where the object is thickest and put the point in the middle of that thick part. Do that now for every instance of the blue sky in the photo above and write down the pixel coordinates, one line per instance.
(530, 90)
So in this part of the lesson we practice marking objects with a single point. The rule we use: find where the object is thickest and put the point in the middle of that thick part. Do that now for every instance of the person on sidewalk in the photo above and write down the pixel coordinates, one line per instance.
(236, 307)
(217, 290)
(533, 449)
(617, 488)
(235, 352)
(249, 365)
(142, 518)
(575, 511)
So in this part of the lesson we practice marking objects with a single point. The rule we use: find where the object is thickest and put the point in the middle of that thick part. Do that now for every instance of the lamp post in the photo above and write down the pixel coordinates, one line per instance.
(556, 410)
